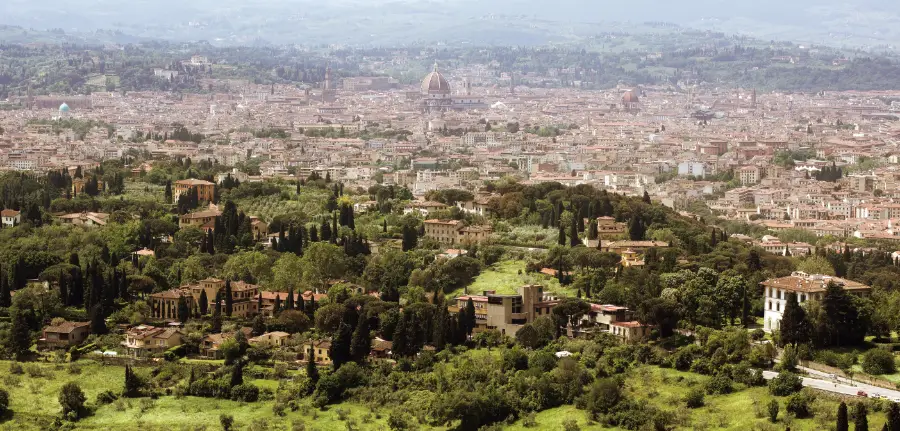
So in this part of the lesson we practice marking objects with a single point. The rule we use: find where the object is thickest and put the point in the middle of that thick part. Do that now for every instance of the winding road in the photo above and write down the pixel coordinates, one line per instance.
(839, 385)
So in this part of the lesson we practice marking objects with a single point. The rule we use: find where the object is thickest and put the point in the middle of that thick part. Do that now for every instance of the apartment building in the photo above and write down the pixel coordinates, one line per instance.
(807, 287)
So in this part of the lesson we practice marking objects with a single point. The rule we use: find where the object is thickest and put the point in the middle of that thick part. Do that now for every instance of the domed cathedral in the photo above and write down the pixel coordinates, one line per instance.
(631, 102)
(436, 95)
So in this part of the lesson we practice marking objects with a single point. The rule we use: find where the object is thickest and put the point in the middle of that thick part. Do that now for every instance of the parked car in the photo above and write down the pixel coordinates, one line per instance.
(861, 394)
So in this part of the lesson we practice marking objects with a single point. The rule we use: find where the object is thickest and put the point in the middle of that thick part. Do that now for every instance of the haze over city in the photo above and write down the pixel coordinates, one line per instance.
(449, 215)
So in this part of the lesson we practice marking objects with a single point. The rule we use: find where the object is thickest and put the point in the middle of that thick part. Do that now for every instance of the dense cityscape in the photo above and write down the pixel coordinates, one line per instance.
(670, 230)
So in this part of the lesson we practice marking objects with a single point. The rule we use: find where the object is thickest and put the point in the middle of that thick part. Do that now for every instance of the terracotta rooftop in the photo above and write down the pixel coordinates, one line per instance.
(809, 283)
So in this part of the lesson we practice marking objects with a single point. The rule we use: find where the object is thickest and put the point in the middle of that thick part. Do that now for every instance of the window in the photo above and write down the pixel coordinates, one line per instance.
(778, 306)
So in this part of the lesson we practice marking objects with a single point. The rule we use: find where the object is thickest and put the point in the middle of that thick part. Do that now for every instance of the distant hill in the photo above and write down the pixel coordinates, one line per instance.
(860, 23)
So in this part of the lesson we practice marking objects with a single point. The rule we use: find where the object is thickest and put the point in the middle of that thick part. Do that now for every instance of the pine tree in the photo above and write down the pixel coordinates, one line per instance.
(362, 341)
(229, 300)
(842, 423)
(204, 303)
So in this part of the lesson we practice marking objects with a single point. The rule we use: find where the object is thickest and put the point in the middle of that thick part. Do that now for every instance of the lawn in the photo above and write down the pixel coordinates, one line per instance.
(506, 277)
(34, 401)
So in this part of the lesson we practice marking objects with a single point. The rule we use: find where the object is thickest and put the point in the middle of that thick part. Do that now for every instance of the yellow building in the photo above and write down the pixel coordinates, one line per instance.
(205, 189)
(455, 232)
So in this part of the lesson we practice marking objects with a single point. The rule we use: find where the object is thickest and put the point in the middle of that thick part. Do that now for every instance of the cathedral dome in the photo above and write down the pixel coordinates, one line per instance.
(435, 83)
(630, 97)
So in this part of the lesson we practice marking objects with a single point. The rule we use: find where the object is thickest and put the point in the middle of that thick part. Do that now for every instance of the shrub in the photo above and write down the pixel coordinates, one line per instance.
(400, 421)
(719, 384)
(789, 358)
(227, 422)
(757, 334)
(16, 368)
(174, 353)
(246, 393)
(773, 411)
(34, 371)
(4, 403)
(72, 399)
(799, 404)
(784, 384)
(694, 398)
(106, 397)
(570, 425)
(879, 361)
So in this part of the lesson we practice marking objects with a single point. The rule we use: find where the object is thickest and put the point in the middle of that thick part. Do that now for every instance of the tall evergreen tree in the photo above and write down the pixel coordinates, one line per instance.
(795, 328)
(5, 295)
(893, 417)
(312, 372)
(340, 346)
(229, 300)
(400, 341)
(842, 421)
(277, 307)
(183, 310)
(98, 321)
(289, 301)
(237, 373)
(574, 240)
(861, 420)
(361, 344)
(439, 337)
(561, 238)
(210, 242)
(19, 334)
(470, 316)
(204, 303)
(646, 197)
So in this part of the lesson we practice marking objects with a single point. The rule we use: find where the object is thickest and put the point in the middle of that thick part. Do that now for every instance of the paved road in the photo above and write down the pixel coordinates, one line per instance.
(839, 385)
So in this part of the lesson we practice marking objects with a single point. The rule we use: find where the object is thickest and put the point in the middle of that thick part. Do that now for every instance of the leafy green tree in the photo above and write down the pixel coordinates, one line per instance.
(72, 400)
(322, 262)
(879, 361)
(237, 374)
(19, 334)
(893, 417)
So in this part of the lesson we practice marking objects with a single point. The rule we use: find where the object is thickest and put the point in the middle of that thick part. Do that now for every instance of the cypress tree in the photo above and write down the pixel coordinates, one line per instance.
(574, 240)
(384, 226)
(399, 345)
(646, 197)
(98, 321)
(439, 337)
(277, 308)
(340, 346)
(794, 324)
(312, 372)
(861, 423)
(229, 301)
(842, 423)
(470, 316)
(5, 295)
(362, 342)
(893, 417)
(204, 303)
(561, 239)
(259, 303)
(210, 242)
(289, 301)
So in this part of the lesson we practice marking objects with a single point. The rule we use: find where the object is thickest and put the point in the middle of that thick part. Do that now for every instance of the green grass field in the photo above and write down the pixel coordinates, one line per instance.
(34, 401)
(507, 276)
